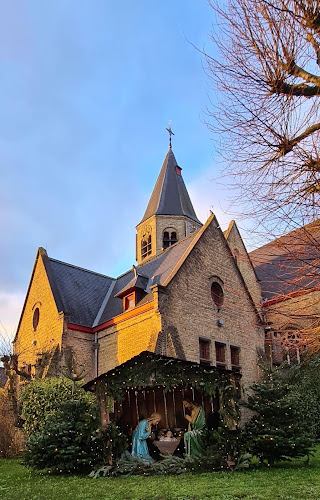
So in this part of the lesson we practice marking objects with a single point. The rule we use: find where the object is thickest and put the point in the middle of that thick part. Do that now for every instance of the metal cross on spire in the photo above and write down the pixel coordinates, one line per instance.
(170, 133)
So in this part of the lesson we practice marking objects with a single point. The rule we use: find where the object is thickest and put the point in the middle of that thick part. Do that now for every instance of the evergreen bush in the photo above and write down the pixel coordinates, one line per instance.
(41, 399)
(69, 442)
(277, 431)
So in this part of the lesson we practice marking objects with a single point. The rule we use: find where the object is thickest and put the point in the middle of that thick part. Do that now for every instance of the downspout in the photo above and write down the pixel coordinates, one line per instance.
(96, 349)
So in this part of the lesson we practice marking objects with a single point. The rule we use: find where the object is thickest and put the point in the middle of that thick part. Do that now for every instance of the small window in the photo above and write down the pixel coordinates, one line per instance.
(35, 319)
(235, 356)
(129, 302)
(217, 294)
(204, 351)
(146, 247)
(166, 239)
(174, 238)
(236, 255)
(169, 238)
(220, 353)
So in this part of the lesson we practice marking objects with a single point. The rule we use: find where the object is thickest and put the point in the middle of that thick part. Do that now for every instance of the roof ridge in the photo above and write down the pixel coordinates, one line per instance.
(81, 268)
(154, 257)
(123, 274)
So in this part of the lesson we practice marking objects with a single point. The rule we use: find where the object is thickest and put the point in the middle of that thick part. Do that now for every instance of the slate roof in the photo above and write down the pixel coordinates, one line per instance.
(289, 264)
(90, 298)
(156, 269)
(81, 291)
(170, 195)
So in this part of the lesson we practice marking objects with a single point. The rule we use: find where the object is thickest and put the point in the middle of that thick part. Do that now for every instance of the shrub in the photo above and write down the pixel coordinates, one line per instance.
(277, 431)
(304, 378)
(69, 442)
(41, 399)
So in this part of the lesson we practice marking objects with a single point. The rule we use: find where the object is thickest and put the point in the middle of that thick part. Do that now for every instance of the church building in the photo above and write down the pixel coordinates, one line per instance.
(192, 296)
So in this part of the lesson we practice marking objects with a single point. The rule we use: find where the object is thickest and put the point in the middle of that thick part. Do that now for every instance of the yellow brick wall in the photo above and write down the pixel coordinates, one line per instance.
(128, 338)
(301, 313)
(49, 331)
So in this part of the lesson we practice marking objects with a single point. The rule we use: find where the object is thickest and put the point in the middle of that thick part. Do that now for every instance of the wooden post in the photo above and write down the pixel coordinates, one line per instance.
(102, 396)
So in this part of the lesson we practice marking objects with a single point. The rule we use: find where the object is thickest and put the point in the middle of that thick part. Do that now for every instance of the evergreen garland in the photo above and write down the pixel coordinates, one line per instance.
(160, 371)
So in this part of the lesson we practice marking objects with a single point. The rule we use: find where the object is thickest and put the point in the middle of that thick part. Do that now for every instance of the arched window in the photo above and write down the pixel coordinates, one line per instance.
(166, 239)
(169, 238)
(35, 319)
(146, 246)
(174, 238)
(292, 344)
(217, 294)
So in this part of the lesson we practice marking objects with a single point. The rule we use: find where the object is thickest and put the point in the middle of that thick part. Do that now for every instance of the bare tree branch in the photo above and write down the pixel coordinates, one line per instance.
(266, 77)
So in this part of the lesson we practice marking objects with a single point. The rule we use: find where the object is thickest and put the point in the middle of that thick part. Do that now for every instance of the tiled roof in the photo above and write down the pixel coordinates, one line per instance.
(81, 291)
(289, 264)
(170, 195)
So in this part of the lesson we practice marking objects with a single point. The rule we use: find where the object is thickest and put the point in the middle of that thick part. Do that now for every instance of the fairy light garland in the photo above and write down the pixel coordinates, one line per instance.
(161, 372)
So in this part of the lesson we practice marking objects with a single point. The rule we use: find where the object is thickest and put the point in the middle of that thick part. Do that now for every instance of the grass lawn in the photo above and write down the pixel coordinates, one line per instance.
(285, 481)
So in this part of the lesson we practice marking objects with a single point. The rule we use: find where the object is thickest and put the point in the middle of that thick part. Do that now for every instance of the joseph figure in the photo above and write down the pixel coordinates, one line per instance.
(195, 437)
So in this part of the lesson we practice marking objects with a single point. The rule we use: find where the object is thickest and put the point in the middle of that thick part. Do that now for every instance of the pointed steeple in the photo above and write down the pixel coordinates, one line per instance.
(170, 195)
(169, 217)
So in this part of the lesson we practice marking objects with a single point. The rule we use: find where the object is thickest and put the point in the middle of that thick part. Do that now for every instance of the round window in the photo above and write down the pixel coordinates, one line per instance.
(35, 319)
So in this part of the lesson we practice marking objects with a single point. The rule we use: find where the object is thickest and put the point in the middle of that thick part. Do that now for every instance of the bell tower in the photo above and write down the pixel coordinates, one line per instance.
(169, 216)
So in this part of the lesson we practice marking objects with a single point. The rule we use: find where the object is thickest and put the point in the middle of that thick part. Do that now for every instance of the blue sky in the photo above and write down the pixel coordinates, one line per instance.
(87, 88)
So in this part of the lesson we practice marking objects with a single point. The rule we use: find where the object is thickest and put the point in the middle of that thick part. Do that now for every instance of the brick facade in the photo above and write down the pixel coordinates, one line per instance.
(188, 312)
(127, 338)
(29, 342)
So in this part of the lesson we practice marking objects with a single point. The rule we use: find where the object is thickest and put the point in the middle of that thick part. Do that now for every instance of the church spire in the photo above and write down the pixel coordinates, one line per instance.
(169, 216)
(170, 195)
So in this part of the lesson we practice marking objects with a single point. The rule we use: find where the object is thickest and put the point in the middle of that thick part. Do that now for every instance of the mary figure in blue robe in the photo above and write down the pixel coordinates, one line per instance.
(140, 436)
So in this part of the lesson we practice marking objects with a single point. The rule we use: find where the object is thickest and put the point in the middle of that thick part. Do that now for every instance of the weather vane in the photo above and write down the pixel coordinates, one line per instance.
(170, 133)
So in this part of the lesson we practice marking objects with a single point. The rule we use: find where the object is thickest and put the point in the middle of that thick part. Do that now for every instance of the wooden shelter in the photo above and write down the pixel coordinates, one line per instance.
(149, 383)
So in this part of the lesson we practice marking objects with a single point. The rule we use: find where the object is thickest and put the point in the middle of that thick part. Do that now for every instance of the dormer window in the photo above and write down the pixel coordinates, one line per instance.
(169, 238)
(129, 301)
(146, 247)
